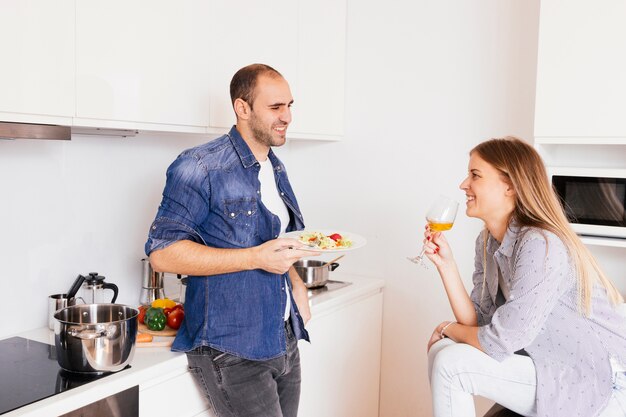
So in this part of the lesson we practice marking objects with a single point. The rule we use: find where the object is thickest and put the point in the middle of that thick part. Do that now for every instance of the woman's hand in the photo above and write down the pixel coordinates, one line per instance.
(436, 336)
(437, 248)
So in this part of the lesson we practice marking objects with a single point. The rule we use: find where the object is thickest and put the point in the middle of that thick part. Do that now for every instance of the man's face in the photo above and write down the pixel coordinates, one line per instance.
(271, 111)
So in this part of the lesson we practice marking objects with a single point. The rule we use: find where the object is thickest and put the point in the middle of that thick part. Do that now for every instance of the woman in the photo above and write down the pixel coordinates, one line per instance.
(540, 333)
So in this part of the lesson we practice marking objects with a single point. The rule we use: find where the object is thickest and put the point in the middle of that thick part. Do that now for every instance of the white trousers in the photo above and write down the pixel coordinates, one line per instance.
(459, 371)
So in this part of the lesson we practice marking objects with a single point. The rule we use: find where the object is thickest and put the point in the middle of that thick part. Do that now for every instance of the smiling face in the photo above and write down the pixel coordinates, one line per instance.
(490, 197)
(265, 121)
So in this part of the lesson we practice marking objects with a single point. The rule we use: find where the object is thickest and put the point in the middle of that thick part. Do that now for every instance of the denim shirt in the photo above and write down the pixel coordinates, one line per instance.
(571, 352)
(212, 197)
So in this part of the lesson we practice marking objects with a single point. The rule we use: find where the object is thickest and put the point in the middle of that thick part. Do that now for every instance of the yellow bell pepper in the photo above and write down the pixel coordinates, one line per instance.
(163, 303)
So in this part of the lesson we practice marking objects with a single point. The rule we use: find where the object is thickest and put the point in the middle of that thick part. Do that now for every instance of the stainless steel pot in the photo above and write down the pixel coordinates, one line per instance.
(314, 273)
(95, 338)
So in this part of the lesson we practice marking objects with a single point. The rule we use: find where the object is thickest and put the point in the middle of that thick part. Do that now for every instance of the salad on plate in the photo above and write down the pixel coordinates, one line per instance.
(322, 241)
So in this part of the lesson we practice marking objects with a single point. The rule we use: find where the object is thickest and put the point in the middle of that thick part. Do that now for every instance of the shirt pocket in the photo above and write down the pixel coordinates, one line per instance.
(242, 218)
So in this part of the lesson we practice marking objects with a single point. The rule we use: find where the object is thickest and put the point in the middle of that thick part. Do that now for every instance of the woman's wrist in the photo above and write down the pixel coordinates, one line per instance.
(447, 268)
(443, 329)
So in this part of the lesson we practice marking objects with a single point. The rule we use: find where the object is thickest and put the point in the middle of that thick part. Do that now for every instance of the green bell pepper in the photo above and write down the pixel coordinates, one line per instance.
(155, 318)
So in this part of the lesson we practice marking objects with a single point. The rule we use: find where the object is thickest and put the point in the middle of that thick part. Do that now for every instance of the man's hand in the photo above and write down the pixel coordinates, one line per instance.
(300, 295)
(278, 255)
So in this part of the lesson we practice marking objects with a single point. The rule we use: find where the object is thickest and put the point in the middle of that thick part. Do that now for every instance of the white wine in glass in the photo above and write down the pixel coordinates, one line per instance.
(440, 217)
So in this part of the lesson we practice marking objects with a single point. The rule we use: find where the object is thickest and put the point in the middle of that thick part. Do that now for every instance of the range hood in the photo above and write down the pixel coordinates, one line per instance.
(11, 131)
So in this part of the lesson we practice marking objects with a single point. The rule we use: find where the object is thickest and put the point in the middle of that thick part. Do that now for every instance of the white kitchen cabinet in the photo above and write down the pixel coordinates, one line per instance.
(304, 41)
(166, 66)
(37, 71)
(143, 64)
(175, 394)
(580, 76)
(319, 95)
(341, 367)
(246, 32)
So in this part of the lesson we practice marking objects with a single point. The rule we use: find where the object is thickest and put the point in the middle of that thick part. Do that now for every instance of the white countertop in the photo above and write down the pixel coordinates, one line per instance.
(151, 366)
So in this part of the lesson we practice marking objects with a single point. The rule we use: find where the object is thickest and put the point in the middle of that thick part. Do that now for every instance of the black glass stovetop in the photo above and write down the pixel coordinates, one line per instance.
(29, 372)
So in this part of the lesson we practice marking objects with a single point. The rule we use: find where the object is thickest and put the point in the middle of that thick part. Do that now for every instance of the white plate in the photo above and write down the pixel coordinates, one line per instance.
(357, 240)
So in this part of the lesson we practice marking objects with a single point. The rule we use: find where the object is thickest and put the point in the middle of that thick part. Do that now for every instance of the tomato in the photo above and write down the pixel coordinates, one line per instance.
(336, 237)
(142, 314)
(168, 310)
(175, 318)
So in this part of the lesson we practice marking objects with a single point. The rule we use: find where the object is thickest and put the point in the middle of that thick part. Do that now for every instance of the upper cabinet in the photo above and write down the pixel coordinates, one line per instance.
(37, 71)
(245, 32)
(166, 66)
(581, 82)
(305, 41)
(142, 63)
(321, 69)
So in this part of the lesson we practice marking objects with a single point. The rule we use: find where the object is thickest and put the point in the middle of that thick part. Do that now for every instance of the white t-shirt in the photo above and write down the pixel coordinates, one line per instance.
(275, 204)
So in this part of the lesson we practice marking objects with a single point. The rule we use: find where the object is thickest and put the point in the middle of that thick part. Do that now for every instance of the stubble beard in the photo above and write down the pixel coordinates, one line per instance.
(262, 135)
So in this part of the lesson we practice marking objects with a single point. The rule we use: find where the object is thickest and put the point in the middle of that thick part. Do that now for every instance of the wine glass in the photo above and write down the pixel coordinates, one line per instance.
(440, 217)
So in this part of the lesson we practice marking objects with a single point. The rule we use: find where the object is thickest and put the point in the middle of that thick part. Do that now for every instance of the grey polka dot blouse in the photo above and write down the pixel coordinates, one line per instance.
(570, 351)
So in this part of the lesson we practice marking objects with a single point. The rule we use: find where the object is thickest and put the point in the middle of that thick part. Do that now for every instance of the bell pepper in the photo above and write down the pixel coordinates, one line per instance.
(155, 318)
(142, 314)
(163, 303)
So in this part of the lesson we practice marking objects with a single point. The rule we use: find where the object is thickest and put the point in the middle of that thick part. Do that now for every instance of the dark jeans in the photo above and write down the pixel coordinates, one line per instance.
(238, 387)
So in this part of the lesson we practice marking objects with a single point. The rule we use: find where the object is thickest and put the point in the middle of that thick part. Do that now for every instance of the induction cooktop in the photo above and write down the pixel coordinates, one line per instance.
(317, 295)
(29, 372)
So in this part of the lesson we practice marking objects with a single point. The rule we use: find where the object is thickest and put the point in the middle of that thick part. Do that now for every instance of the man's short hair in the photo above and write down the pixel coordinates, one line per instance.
(244, 82)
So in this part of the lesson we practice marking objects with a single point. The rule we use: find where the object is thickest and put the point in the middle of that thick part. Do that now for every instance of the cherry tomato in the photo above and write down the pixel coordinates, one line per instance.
(142, 314)
(336, 237)
(175, 319)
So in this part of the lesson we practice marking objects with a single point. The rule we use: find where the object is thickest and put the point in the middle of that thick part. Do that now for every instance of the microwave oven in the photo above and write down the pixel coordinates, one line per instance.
(594, 199)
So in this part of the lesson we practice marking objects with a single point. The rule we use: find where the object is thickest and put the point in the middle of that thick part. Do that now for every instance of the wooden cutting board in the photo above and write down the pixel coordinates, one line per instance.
(167, 332)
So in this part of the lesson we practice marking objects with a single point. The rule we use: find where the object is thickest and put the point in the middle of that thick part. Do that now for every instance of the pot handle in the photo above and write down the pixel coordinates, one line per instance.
(334, 266)
(87, 334)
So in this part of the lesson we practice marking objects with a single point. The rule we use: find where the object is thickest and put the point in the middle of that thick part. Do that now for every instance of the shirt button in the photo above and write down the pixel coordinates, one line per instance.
(249, 212)
(282, 193)
(232, 214)
(258, 191)
(275, 236)
(153, 227)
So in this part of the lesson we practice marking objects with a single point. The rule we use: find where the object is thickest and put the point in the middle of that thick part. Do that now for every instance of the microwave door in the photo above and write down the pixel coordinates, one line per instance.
(594, 205)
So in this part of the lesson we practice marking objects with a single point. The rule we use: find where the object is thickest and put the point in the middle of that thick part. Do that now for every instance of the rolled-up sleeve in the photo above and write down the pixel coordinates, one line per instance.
(184, 206)
(540, 273)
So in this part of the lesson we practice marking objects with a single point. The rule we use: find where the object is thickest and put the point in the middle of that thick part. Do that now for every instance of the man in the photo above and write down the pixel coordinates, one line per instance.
(224, 205)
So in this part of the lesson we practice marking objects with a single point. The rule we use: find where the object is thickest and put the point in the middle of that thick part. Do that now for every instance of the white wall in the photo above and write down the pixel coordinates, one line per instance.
(426, 81)
(76, 207)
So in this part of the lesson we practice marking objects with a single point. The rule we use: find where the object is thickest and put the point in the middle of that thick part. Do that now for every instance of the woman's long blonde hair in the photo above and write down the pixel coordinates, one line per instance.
(537, 205)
